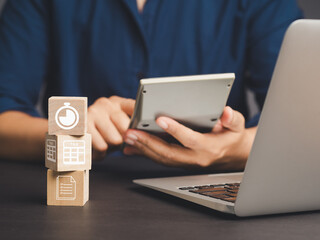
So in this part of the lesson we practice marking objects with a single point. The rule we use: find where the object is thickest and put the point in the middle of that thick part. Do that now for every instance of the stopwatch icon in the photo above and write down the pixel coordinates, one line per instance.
(67, 117)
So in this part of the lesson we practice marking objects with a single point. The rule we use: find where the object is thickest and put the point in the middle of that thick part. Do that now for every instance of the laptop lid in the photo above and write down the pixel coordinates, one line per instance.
(283, 170)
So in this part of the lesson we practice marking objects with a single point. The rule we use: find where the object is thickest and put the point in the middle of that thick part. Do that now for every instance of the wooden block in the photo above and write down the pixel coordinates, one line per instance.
(86, 185)
(67, 188)
(68, 153)
(67, 115)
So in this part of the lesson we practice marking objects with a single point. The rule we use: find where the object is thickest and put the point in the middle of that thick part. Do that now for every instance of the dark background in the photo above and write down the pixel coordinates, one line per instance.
(311, 8)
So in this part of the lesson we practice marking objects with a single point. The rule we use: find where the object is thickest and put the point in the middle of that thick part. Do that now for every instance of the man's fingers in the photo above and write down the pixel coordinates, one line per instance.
(140, 149)
(129, 150)
(107, 122)
(217, 127)
(99, 145)
(186, 136)
(127, 105)
(156, 148)
(108, 131)
(121, 121)
(154, 143)
(232, 120)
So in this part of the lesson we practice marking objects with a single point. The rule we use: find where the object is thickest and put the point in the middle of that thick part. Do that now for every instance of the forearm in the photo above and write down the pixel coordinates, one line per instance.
(22, 136)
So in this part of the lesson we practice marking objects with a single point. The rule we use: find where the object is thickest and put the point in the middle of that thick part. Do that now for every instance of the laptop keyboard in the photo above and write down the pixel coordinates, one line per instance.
(226, 192)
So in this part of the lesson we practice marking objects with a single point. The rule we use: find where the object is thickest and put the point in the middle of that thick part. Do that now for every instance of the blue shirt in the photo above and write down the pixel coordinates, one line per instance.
(102, 48)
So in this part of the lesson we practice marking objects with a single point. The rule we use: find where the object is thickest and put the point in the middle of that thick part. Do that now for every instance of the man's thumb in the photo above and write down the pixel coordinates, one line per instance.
(232, 120)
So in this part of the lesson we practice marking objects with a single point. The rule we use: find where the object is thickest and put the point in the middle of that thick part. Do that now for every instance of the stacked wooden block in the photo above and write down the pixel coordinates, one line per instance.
(68, 152)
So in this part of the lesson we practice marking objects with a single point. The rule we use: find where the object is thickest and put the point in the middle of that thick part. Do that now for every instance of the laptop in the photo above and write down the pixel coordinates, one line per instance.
(282, 173)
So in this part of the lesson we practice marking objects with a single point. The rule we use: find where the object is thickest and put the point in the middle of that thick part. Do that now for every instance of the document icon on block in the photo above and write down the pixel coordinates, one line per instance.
(66, 188)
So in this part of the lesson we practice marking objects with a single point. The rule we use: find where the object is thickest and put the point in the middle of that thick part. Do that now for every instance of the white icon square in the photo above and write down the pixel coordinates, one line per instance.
(65, 188)
(74, 152)
(69, 119)
(51, 150)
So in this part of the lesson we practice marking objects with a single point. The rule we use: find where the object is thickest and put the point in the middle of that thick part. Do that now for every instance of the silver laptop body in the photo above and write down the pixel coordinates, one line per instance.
(282, 173)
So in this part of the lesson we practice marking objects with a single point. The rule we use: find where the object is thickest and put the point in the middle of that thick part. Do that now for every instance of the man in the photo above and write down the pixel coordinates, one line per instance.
(101, 49)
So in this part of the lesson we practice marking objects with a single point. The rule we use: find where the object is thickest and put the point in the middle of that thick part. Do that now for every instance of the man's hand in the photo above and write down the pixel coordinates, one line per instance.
(108, 120)
(226, 147)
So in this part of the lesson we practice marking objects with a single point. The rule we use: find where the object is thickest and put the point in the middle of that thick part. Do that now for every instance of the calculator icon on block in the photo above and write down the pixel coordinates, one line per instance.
(51, 150)
(73, 152)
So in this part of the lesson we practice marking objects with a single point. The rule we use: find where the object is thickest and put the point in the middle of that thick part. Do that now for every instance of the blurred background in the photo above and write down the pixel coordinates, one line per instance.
(311, 9)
